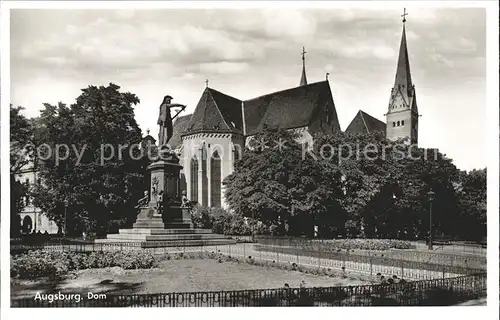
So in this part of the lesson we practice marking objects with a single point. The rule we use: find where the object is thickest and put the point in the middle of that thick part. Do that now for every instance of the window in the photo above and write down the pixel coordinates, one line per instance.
(402, 122)
(398, 123)
(194, 179)
(215, 180)
(394, 124)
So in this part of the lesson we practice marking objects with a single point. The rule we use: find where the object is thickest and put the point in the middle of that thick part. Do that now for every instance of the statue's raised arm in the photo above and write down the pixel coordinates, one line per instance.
(165, 119)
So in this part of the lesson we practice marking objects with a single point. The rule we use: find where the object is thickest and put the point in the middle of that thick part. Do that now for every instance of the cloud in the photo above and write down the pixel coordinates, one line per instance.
(223, 67)
(104, 44)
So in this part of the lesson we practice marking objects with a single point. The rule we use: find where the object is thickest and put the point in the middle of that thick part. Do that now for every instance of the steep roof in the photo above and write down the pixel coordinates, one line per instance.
(303, 78)
(365, 123)
(286, 109)
(216, 111)
(403, 74)
(180, 125)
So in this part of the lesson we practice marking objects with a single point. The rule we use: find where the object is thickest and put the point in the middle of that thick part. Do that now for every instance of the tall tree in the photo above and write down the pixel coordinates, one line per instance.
(98, 171)
(21, 132)
(276, 185)
(471, 191)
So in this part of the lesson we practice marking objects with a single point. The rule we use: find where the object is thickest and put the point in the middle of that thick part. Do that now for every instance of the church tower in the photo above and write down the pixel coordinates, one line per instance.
(402, 115)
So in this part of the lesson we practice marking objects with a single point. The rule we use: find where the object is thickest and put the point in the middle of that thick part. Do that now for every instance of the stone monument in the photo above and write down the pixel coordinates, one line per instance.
(164, 216)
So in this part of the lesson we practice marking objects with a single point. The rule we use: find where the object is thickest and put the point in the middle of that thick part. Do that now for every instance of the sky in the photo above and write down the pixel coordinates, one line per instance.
(252, 52)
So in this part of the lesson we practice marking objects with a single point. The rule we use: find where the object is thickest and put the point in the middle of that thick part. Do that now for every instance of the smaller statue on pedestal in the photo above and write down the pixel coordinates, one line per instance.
(185, 201)
(159, 203)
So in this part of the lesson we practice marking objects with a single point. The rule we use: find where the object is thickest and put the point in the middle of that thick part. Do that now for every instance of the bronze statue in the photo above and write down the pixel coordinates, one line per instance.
(165, 119)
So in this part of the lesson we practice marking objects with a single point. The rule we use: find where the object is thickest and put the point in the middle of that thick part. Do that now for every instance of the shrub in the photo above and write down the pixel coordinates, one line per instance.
(201, 217)
(356, 244)
(227, 223)
(38, 263)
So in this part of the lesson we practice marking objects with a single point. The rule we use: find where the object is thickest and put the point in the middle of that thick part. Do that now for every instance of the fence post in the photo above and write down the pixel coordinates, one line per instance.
(402, 268)
(371, 265)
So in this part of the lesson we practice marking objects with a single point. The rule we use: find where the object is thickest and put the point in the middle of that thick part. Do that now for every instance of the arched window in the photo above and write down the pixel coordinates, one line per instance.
(398, 123)
(194, 179)
(402, 122)
(394, 124)
(215, 180)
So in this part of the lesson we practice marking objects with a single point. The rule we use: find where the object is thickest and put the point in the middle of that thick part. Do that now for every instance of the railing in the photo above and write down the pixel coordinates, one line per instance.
(419, 293)
(307, 245)
(346, 262)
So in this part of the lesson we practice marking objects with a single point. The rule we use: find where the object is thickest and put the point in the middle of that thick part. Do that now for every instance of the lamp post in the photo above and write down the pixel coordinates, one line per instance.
(253, 226)
(431, 198)
(65, 216)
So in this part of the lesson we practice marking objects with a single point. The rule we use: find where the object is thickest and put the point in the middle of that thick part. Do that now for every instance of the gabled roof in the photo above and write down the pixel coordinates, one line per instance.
(216, 111)
(365, 123)
(286, 109)
(179, 126)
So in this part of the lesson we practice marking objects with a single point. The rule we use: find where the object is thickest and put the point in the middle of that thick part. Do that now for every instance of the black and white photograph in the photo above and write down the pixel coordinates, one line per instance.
(249, 156)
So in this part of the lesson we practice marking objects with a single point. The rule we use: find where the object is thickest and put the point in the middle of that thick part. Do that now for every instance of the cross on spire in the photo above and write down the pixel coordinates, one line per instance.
(327, 74)
(206, 82)
(303, 79)
(147, 131)
(404, 15)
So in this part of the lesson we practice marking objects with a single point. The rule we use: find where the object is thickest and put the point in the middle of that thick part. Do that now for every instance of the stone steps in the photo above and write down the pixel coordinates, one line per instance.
(159, 237)
(187, 243)
(164, 231)
(164, 237)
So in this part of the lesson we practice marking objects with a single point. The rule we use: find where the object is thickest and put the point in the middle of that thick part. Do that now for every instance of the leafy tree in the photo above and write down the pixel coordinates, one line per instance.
(386, 185)
(17, 194)
(276, 185)
(350, 185)
(97, 190)
(471, 191)
(21, 131)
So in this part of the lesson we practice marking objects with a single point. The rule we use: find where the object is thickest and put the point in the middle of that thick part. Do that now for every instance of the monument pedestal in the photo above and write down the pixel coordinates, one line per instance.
(148, 219)
(173, 228)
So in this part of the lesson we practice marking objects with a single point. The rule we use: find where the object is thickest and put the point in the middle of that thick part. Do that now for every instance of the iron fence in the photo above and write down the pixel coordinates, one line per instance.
(376, 259)
(348, 262)
(437, 292)
(325, 246)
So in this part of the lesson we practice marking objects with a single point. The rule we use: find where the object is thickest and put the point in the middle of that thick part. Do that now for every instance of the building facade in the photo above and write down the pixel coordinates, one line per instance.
(32, 219)
(208, 140)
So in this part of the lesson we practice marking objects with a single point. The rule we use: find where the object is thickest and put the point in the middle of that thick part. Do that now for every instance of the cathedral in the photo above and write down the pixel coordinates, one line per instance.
(207, 141)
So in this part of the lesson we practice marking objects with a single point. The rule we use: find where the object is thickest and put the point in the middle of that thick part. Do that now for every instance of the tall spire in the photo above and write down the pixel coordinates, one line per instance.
(303, 79)
(403, 75)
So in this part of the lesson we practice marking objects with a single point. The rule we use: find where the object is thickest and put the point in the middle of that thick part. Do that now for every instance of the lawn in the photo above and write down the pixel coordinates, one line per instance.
(178, 276)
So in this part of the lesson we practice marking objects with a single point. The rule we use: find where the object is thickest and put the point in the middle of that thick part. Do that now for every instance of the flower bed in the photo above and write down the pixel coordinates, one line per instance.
(38, 263)
(362, 244)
